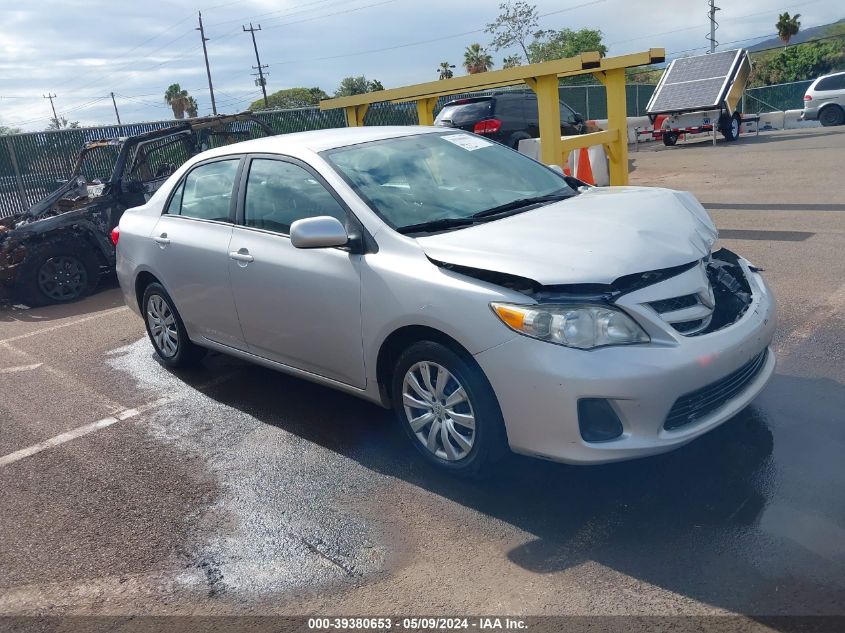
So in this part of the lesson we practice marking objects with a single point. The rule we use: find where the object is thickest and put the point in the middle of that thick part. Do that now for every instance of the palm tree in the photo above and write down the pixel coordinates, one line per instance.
(445, 70)
(787, 26)
(191, 107)
(177, 99)
(476, 59)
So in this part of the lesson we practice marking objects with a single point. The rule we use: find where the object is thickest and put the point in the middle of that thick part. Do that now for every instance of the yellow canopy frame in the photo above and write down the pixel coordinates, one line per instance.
(542, 78)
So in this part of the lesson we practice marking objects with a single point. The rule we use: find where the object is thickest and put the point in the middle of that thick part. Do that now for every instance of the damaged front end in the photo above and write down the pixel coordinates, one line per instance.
(719, 297)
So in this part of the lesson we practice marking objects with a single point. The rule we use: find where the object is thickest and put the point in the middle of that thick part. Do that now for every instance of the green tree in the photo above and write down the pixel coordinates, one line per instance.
(62, 123)
(549, 45)
(444, 70)
(796, 63)
(6, 130)
(291, 98)
(477, 60)
(191, 107)
(357, 85)
(787, 26)
(177, 99)
(512, 61)
(516, 23)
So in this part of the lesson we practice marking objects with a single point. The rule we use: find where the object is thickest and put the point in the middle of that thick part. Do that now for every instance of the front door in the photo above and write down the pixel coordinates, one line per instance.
(191, 246)
(298, 307)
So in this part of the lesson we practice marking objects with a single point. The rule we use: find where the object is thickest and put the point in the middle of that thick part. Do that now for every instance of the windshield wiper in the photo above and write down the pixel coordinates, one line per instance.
(437, 225)
(521, 203)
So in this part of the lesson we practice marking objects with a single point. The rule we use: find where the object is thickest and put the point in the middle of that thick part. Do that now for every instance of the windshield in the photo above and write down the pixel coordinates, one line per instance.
(413, 180)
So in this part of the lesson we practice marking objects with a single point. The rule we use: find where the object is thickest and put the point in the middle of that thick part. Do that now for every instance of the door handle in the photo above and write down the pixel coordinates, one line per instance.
(162, 240)
(241, 256)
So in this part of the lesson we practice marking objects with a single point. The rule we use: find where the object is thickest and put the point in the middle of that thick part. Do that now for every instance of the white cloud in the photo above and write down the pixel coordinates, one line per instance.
(82, 51)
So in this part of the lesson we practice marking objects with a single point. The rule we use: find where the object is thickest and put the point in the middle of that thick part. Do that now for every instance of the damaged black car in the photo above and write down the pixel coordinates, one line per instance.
(60, 248)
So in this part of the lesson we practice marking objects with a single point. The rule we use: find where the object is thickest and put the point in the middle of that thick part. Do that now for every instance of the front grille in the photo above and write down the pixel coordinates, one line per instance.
(699, 403)
(675, 303)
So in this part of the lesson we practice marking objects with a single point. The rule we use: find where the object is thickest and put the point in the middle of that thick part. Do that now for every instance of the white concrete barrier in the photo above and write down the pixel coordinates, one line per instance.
(792, 120)
(771, 121)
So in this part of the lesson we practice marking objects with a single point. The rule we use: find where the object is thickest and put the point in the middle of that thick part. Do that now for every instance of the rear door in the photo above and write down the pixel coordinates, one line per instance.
(191, 250)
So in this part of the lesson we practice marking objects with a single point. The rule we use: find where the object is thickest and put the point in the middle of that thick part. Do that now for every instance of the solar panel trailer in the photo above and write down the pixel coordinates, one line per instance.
(700, 94)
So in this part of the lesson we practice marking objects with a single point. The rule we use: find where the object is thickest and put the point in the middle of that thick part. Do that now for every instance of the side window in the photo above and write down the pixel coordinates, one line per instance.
(206, 192)
(567, 114)
(837, 82)
(530, 108)
(175, 206)
(278, 193)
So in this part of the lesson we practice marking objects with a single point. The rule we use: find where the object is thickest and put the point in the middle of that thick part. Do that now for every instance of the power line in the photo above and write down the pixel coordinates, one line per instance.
(428, 41)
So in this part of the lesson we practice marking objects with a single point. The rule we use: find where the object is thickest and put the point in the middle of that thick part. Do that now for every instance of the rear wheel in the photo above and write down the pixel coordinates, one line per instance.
(730, 126)
(166, 330)
(670, 138)
(57, 272)
(448, 409)
(832, 115)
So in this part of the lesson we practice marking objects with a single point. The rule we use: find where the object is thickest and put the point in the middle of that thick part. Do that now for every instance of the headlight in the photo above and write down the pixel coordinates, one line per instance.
(581, 326)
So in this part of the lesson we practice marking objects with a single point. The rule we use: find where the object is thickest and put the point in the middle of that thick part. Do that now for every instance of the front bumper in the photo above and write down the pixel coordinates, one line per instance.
(538, 385)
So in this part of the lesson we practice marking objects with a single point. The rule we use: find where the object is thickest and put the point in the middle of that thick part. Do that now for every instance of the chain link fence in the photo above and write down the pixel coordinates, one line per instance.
(788, 96)
(33, 164)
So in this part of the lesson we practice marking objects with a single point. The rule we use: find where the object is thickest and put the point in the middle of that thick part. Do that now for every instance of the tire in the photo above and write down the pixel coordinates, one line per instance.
(670, 138)
(169, 338)
(730, 126)
(832, 115)
(460, 449)
(515, 138)
(57, 271)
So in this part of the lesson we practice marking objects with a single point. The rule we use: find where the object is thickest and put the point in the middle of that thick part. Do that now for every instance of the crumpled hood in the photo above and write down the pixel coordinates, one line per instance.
(595, 237)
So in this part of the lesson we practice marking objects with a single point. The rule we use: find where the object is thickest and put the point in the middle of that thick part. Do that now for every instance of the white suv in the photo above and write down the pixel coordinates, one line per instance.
(824, 100)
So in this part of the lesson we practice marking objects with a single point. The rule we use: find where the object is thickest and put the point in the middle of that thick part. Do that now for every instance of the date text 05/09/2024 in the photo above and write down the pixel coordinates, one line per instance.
(416, 623)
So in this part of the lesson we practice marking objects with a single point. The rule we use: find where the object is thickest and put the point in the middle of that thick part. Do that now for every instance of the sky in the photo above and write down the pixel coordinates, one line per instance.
(82, 51)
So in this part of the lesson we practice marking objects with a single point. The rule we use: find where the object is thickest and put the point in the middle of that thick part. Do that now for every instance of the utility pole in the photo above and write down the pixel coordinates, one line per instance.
(51, 97)
(114, 103)
(207, 68)
(713, 25)
(261, 81)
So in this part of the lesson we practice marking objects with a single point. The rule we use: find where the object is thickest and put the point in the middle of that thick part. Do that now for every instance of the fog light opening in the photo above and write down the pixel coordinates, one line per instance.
(597, 420)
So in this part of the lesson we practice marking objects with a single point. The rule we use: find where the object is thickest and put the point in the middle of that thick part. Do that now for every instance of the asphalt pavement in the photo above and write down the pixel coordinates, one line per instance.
(232, 489)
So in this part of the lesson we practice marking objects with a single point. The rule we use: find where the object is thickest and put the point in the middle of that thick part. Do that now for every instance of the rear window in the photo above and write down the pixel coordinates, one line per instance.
(836, 82)
(463, 113)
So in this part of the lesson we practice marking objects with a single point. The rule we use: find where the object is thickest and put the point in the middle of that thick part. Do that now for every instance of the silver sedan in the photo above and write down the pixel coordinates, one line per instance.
(490, 301)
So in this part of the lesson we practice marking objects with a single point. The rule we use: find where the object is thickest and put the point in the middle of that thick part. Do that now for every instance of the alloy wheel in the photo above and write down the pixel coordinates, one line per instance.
(162, 324)
(62, 278)
(438, 410)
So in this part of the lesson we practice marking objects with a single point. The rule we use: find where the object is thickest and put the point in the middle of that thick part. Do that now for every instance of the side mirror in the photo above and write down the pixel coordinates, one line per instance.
(321, 232)
(579, 118)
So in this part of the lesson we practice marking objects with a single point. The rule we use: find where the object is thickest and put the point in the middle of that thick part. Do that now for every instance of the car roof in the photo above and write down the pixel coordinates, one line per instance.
(320, 140)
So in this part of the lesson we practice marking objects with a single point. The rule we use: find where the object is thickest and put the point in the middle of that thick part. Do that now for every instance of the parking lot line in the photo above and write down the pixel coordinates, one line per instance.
(59, 326)
(80, 431)
(14, 370)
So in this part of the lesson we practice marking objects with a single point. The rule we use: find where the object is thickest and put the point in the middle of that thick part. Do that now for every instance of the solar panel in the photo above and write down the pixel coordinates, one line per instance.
(696, 83)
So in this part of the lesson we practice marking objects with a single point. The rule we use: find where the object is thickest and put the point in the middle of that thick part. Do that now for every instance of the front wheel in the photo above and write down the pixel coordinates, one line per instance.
(166, 330)
(670, 138)
(448, 409)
